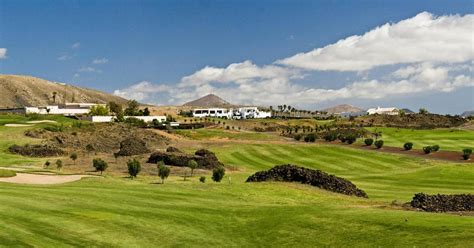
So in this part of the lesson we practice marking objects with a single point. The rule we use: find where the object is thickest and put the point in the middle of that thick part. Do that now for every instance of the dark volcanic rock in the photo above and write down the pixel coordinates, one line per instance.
(320, 179)
(173, 149)
(204, 158)
(132, 146)
(443, 203)
(42, 150)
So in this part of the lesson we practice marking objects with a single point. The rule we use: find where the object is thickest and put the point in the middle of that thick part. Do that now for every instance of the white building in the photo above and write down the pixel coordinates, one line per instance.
(213, 112)
(383, 111)
(56, 110)
(251, 112)
(110, 118)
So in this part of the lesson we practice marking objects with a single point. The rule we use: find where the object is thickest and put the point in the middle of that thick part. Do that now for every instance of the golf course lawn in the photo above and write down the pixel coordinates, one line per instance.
(116, 211)
(201, 134)
(447, 139)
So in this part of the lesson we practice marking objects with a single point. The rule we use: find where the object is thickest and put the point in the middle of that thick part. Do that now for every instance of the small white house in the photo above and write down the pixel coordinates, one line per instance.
(383, 111)
(252, 112)
(213, 112)
(56, 110)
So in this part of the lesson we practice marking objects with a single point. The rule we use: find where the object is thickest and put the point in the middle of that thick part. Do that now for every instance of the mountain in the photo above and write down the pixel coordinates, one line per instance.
(21, 91)
(468, 113)
(210, 100)
(343, 108)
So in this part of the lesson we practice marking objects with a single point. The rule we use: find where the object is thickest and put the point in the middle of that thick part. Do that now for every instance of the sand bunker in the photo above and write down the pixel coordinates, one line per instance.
(18, 125)
(24, 178)
(43, 121)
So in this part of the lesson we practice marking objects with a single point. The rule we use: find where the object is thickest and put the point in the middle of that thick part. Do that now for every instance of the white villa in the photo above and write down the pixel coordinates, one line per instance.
(383, 111)
(240, 113)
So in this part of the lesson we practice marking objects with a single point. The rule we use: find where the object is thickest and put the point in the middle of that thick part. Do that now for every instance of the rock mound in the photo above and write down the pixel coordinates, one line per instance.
(42, 150)
(132, 146)
(443, 203)
(204, 158)
(173, 149)
(320, 179)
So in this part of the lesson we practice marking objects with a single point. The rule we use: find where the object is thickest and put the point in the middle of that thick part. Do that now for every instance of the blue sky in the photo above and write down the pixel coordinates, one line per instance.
(145, 49)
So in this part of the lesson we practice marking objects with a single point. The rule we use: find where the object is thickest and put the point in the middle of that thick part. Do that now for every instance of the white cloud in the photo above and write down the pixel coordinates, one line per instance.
(432, 54)
(141, 91)
(423, 38)
(76, 45)
(89, 69)
(65, 57)
(3, 53)
(100, 61)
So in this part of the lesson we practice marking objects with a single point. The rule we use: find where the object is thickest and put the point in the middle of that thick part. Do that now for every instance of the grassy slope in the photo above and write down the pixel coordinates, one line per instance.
(447, 139)
(203, 134)
(7, 173)
(121, 212)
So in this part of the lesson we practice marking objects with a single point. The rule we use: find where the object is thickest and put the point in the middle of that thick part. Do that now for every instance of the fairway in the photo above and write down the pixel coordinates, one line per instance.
(448, 139)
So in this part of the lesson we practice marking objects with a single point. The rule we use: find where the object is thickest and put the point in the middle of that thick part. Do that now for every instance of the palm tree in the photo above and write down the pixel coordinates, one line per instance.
(54, 96)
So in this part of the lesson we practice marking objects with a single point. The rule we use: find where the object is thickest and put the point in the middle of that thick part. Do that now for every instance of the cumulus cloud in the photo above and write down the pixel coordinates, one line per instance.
(423, 38)
(141, 91)
(423, 54)
(100, 61)
(76, 45)
(3, 53)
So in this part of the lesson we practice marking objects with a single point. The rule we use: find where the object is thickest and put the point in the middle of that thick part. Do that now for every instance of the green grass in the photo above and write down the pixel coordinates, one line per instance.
(204, 133)
(7, 173)
(447, 139)
(14, 135)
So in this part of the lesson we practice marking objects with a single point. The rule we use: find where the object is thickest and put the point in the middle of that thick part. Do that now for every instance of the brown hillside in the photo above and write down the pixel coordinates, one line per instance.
(20, 91)
(210, 100)
(343, 108)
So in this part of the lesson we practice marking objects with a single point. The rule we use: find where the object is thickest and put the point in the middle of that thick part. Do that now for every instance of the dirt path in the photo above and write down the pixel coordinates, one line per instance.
(18, 125)
(43, 121)
(24, 178)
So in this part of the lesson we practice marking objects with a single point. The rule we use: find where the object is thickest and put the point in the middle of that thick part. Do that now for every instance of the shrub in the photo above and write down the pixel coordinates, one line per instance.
(368, 142)
(59, 164)
(351, 139)
(408, 146)
(342, 138)
(73, 157)
(134, 167)
(466, 153)
(99, 165)
(435, 148)
(298, 137)
(427, 149)
(192, 164)
(378, 144)
(330, 137)
(310, 137)
(47, 164)
(202, 179)
(163, 172)
(218, 173)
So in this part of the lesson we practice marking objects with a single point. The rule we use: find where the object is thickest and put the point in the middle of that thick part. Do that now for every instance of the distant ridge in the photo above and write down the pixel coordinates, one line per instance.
(22, 91)
(343, 108)
(468, 113)
(209, 100)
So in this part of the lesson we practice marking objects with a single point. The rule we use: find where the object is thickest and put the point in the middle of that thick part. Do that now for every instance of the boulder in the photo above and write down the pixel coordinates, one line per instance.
(204, 158)
(320, 179)
(443, 203)
(132, 146)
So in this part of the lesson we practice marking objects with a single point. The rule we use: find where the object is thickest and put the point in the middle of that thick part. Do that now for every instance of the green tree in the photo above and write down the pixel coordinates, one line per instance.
(99, 165)
(202, 179)
(47, 164)
(132, 108)
(59, 164)
(423, 111)
(99, 110)
(218, 173)
(146, 112)
(466, 153)
(54, 96)
(192, 164)
(134, 167)
(163, 172)
(73, 157)
(115, 108)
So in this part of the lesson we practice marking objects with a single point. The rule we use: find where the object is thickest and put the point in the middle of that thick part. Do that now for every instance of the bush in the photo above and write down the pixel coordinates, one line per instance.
(163, 172)
(330, 137)
(378, 144)
(47, 164)
(466, 153)
(192, 164)
(59, 164)
(435, 148)
(134, 167)
(99, 165)
(310, 137)
(202, 179)
(368, 142)
(218, 173)
(351, 139)
(73, 156)
(298, 137)
(408, 146)
(427, 149)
